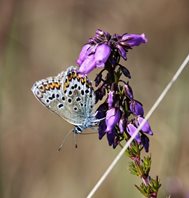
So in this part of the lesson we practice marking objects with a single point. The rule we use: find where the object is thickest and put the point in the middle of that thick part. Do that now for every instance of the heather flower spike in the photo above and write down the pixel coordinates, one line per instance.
(119, 111)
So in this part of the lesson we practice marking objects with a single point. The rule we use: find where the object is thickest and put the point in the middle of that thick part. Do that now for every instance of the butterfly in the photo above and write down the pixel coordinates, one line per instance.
(71, 96)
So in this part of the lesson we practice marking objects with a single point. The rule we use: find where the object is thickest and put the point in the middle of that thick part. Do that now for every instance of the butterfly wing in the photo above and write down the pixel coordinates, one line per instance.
(69, 94)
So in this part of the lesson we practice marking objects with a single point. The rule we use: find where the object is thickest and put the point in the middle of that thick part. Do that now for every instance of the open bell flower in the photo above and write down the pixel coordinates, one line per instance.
(102, 54)
(83, 54)
(92, 57)
(87, 65)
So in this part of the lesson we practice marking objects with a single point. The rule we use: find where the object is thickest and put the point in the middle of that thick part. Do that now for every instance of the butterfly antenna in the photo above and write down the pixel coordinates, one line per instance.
(75, 139)
(64, 140)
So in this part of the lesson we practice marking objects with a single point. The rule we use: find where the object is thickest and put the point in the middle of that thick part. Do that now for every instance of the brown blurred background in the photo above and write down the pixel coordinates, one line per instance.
(40, 38)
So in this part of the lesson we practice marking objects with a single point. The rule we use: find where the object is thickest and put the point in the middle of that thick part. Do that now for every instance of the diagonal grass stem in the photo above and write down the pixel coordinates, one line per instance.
(156, 104)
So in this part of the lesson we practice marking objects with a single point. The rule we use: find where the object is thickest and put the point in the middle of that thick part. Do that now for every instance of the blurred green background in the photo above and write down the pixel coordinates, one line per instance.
(40, 38)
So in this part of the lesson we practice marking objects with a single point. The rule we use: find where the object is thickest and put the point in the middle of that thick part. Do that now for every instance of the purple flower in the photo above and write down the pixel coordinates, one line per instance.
(145, 142)
(101, 111)
(122, 125)
(119, 112)
(111, 137)
(101, 129)
(136, 108)
(127, 41)
(92, 57)
(131, 129)
(83, 54)
(111, 134)
(128, 91)
(88, 65)
(112, 118)
(102, 54)
(103, 47)
(110, 99)
(122, 51)
(146, 127)
(133, 39)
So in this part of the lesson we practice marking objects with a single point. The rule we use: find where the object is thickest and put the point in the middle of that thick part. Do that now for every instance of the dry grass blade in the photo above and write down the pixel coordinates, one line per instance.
(156, 104)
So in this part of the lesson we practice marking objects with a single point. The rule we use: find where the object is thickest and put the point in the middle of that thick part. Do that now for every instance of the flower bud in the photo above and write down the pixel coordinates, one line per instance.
(112, 118)
(136, 108)
(129, 91)
(122, 51)
(146, 127)
(134, 39)
(131, 129)
(122, 125)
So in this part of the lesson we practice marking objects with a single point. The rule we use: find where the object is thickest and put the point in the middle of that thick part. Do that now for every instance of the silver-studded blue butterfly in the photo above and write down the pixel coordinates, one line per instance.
(71, 96)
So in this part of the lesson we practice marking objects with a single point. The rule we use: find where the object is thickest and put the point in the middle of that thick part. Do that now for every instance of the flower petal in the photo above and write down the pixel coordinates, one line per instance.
(145, 142)
(110, 137)
(122, 51)
(102, 54)
(134, 39)
(83, 54)
(101, 129)
(128, 90)
(136, 108)
(122, 125)
(112, 118)
(88, 65)
(110, 99)
(131, 129)
(146, 127)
